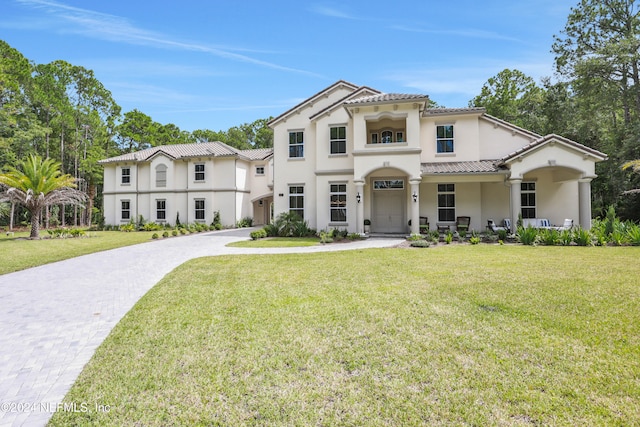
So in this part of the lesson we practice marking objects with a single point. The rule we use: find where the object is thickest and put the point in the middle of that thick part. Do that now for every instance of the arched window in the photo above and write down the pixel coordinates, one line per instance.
(386, 137)
(161, 176)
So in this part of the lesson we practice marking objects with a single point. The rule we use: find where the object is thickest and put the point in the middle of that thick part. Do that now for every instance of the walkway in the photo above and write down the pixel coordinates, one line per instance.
(53, 317)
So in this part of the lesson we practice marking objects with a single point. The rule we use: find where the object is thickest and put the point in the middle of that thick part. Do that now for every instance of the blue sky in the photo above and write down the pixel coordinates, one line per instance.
(213, 65)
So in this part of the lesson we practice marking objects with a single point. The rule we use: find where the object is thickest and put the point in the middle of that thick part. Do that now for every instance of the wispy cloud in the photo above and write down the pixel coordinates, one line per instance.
(469, 33)
(118, 29)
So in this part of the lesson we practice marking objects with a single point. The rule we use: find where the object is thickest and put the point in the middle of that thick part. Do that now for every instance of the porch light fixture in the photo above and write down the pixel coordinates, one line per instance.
(358, 198)
(415, 197)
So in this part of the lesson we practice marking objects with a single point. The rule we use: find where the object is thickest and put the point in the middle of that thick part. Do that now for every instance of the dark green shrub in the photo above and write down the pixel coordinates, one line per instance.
(271, 230)
(258, 234)
(245, 222)
(165, 234)
(633, 234)
(527, 236)
(565, 237)
(420, 244)
(289, 224)
(502, 235)
(174, 233)
(549, 237)
(154, 236)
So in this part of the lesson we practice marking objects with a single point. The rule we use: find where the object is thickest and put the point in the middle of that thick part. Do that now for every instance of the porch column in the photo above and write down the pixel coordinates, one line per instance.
(359, 206)
(584, 202)
(415, 205)
(515, 202)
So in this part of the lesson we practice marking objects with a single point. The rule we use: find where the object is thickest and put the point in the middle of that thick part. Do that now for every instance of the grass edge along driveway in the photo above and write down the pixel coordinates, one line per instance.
(482, 335)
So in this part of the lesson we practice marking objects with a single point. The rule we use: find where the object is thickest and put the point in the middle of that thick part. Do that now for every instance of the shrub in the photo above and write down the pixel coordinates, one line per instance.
(183, 231)
(633, 234)
(326, 237)
(271, 230)
(565, 237)
(527, 236)
(582, 237)
(218, 226)
(415, 237)
(151, 226)
(502, 235)
(290, 224)
(420, 244)
(258, 234)
(474, 240)
(174, 233)
(127, 228)
(154, 236)
(354, 236)
(448, 238)
(216, 220)
(549, 237)
(178, 220)
(165, 234)
(245, 222)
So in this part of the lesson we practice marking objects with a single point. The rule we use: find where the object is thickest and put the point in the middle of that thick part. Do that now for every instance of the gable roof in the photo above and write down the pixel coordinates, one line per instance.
(336, 85)
(452, 111)
(599, 156)
(340, 103)
(468, 167)
(184, 151)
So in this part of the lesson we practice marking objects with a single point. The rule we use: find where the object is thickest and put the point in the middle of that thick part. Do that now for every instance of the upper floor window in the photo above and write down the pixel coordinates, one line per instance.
(338, 140)
(444, 139)
(446, 202)
(161, 176)
(199, 168)
(126, 175)
(528, 199)
(296, 144)
(259, 170)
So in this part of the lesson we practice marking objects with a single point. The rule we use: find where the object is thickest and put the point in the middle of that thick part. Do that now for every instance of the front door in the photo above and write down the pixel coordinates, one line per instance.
(388, 210)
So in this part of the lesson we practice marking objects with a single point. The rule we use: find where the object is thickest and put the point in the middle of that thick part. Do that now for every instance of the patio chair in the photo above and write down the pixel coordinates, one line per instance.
(424, 225)
(507, 224)
(544, 223)
(568, 224)
(491, 226)
(462, 223)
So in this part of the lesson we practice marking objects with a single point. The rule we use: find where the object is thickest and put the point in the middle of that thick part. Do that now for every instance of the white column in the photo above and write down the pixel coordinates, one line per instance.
(359, 207)
(415, 205)
(584, 202)
(515, 202)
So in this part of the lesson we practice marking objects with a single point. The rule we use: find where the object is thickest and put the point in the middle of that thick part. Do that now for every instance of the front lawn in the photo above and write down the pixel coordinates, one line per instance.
(461, 335)
(17, 252)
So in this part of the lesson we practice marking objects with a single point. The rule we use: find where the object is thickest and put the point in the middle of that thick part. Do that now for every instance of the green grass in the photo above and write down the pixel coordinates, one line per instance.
(458, 335)
(277, 242)
(18, 253)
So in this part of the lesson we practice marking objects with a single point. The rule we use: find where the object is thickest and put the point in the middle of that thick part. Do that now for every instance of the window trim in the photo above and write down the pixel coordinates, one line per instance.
(525, 195)
(339, 205)
(127, 176)
(342, 142)
(445, 139)
(298, 196)
(258, 173)
(298, 146)
(446, 191)
(197, 210)
(162, 209)
(123, 210)
(197, 172)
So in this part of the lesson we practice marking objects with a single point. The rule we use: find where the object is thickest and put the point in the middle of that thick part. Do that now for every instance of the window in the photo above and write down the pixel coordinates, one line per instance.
(199, 209)
(338, 202)
(338, 140)
(399, 137)
(296, 144)
(296, 200)
(386, 137)
(446, 202)
(374, 138)
(161, 176)
(444, 139)
(161, 210)
(125, 211)
(528, 199)
(259, 170)
(388, 184)
(126, 175)
(199, 171)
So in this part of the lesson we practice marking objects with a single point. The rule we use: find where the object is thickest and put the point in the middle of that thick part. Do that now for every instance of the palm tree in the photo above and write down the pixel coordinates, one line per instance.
(36, 184)
(635, 165)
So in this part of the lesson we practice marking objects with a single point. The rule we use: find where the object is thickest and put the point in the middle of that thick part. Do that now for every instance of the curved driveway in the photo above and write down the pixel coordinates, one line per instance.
(53, 317)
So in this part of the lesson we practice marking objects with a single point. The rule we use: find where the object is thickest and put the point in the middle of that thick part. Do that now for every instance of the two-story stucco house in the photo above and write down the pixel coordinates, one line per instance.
(351, 153)
(191, 181)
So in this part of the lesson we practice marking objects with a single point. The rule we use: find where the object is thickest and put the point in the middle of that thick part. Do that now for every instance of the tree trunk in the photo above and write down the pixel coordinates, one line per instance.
(13, 209)
(35, 224)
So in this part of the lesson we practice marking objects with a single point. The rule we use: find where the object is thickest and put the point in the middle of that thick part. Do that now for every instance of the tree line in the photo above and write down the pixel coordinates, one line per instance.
(63, 112)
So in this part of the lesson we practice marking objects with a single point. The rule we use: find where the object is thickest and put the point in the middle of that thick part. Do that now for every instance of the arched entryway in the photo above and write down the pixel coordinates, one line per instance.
(388, 207)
